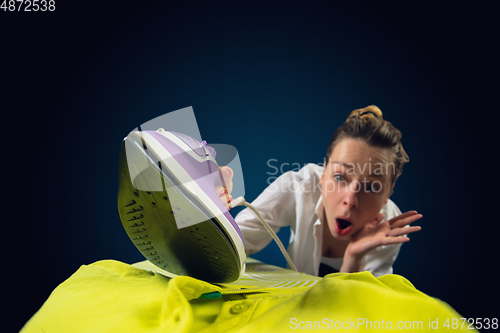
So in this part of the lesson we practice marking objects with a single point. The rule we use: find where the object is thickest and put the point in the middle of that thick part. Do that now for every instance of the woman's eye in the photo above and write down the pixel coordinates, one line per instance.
(374, 187)
(338, 178)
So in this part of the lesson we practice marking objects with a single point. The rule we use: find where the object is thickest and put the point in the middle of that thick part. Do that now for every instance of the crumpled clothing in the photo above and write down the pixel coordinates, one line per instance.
(111, 296)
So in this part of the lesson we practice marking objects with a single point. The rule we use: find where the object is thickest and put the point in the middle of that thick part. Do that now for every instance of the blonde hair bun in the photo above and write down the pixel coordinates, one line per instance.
(368, 124)
(367, 113)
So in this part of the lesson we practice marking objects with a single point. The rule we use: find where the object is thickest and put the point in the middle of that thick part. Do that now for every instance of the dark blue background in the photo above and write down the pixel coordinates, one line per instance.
(273, 79)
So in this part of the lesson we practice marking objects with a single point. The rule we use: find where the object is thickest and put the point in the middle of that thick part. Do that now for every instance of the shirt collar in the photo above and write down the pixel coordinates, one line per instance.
(320, 211)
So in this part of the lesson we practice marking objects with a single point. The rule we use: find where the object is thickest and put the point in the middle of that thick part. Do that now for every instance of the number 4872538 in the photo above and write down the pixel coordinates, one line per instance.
(28, 5)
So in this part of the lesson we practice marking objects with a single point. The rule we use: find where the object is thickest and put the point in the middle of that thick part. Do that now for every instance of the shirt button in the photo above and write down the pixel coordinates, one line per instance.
(239, 308)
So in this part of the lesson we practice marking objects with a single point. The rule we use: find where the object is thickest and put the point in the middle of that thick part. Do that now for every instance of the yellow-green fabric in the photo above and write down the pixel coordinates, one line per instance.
(110, 296)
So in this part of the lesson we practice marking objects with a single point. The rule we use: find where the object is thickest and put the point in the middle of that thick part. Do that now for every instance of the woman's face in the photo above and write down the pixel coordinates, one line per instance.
(356, 183)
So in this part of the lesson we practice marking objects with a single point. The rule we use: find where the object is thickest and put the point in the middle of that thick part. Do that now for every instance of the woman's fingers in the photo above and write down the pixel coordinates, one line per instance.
(227, 178)
(400, 226)
(403, 216)
(405, 219)
(394, 240)
(224, 197)
(404, 231)
(224, 191)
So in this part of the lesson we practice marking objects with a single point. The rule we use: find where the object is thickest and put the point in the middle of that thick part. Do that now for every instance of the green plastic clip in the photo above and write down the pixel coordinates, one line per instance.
(214, 294)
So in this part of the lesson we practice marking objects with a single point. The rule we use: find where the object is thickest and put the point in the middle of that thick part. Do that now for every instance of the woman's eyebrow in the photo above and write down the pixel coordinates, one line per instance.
(351, 165)
(342, 164)
(330, 164)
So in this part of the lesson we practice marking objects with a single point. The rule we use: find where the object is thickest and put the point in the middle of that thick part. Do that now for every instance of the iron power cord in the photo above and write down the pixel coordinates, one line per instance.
(240, 201)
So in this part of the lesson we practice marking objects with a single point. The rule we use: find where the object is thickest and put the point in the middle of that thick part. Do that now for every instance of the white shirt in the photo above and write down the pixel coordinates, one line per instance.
(294, 199)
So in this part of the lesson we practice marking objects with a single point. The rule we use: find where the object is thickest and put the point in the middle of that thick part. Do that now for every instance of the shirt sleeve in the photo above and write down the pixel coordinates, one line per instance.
(277, 206)
(379, 261)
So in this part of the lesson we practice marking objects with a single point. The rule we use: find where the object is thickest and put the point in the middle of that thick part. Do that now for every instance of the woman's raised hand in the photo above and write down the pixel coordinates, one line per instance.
(376, 234)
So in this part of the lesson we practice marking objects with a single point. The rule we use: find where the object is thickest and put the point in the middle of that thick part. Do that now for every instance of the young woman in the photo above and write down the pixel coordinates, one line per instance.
(340, 214)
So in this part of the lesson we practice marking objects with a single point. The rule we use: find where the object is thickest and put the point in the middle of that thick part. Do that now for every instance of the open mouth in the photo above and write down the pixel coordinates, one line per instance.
(342, 226)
